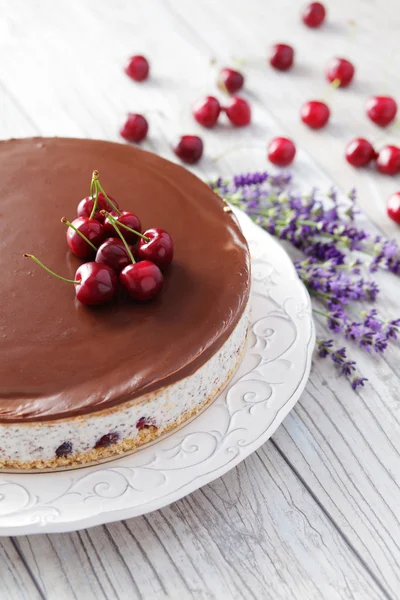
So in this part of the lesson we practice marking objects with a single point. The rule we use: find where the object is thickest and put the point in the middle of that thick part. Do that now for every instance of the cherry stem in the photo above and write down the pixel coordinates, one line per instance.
(94, 192)
(107, 214)
(113, 223)
(83, 236)
(39, 262)
(110, 202)
(95, 186)
(223, 89)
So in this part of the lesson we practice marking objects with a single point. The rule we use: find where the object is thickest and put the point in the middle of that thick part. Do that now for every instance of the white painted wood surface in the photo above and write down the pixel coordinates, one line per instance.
(316, 512)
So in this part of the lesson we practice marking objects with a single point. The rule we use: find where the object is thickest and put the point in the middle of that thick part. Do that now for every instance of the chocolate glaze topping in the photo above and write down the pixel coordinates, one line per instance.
(60, 358)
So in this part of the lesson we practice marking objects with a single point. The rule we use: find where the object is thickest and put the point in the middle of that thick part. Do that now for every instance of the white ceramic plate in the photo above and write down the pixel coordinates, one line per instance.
(268, 383)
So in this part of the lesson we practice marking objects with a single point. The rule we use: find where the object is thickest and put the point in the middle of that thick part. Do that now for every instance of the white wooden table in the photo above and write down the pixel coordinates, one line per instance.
(315, 512)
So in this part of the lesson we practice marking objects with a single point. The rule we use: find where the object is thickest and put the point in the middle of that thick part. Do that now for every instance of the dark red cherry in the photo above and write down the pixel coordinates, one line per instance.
(230, 81)
(85, 207)
(238, 111)
(108, 440)
(102, 201)
(281, 151)
(98, 284)
(135, 128)
(159, 249)
(340, 70)
(360, 152)
(189, 148)
(64, 450)
(393, 207)
(206, 111)
(381, 110)
(91, 229)
(142, 280)
(314, 14)
(388, 161)
(137, 68)
(315, 114)
(145, 423)
(114, 254)
(126, 218)
(282, 56)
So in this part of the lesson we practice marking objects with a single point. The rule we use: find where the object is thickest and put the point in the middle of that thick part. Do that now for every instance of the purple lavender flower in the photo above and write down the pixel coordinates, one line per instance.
(335, 321)
(324, 347)
(358, 382)
(371, 321)
(339, 358)
(335, 249)
(392, 329)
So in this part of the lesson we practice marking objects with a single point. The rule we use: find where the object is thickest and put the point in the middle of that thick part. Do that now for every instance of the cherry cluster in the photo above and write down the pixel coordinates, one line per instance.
(117, 251)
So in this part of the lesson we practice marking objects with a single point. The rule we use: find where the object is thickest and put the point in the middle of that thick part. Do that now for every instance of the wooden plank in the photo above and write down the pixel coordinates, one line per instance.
(345, 447)
(254, 533)
(16, 582)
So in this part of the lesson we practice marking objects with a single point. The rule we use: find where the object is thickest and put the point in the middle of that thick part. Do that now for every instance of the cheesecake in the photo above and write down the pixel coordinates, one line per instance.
(82, 384)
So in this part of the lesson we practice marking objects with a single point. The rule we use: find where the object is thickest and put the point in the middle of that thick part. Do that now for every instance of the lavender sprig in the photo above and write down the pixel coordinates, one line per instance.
(336, 253)
(339, 358)
(307, 219)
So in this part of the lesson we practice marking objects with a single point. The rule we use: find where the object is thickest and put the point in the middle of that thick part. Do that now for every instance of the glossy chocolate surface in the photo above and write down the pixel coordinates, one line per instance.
(59, 358)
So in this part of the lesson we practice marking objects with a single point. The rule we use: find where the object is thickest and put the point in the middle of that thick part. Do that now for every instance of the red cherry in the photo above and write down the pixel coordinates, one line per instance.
(94, 283)
(281, 151)
(159, 249)
(381, 110)
(393, 207)
(90, 228)
(238, 111)
(340, 70)
(206, 111)
(315, 114)
(360, 152)
(135, 128)
(282, 57)
(314, 14)
(137, 68)
(126, 218)
(113, 253)
(189, 148)
(230, 81)
(145, 423)
(85, 207)
(98, 284)
(142, 280)
(388, 160)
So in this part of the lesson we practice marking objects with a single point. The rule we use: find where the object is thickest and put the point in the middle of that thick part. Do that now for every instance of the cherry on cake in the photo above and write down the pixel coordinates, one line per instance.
(80, 384)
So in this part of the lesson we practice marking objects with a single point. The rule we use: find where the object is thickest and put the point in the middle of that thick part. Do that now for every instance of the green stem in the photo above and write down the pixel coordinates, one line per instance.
(83, 236)
(111, 218)
(36, 260)
(110, 202)
(319, 312)
(94, 193)
(113, 223)
(358, 313)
